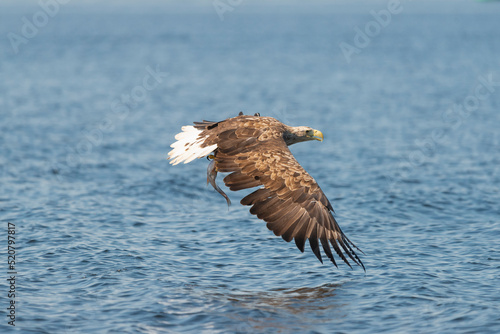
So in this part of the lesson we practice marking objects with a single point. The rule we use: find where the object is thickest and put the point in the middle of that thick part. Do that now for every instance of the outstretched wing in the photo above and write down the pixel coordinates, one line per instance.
(290, 201)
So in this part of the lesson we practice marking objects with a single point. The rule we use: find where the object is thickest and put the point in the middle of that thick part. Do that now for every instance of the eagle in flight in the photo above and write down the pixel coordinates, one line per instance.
(254, 150)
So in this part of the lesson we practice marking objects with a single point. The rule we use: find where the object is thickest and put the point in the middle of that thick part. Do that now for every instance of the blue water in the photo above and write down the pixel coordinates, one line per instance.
(113, 239)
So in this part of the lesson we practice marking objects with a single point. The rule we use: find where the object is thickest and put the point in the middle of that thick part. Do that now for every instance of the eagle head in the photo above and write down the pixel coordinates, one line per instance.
(297, 134)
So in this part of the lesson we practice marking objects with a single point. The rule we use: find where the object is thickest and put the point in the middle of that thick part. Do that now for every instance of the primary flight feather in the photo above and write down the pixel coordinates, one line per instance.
(254, 150)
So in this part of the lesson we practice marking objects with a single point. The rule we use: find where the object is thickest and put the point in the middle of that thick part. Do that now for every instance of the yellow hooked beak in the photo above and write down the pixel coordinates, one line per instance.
(318, 135)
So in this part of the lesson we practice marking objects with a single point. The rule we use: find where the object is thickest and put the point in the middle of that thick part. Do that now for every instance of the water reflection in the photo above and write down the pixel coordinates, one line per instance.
(284, 309)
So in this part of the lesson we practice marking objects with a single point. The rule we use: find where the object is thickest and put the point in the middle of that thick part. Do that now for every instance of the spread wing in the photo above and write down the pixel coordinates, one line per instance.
(289, 199)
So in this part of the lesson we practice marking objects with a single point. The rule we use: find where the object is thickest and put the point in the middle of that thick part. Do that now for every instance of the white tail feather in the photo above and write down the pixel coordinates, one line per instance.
(188, 146)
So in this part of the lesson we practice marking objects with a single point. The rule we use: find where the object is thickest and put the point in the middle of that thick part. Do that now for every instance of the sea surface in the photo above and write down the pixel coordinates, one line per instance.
(111, 238)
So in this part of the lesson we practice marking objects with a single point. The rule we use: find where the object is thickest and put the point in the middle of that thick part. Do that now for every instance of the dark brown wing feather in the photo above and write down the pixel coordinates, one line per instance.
(291, 202)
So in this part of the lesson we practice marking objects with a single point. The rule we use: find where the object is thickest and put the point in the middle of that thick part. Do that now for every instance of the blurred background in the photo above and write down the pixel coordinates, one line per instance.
(111, 238)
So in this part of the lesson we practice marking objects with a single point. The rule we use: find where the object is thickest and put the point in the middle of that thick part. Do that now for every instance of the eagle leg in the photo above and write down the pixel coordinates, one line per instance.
(212, 175)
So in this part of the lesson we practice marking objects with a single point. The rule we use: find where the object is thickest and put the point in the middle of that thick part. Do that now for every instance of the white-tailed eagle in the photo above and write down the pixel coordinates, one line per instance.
(254, 150)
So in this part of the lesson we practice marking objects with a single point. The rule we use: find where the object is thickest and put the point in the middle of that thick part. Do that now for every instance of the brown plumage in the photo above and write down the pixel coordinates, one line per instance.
(254, 150)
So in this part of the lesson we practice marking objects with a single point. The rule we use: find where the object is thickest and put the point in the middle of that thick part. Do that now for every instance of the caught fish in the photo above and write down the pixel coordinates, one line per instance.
(211, 176)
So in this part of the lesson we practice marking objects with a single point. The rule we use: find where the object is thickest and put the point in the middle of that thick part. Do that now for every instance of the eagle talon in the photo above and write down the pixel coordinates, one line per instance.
(211, 176)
